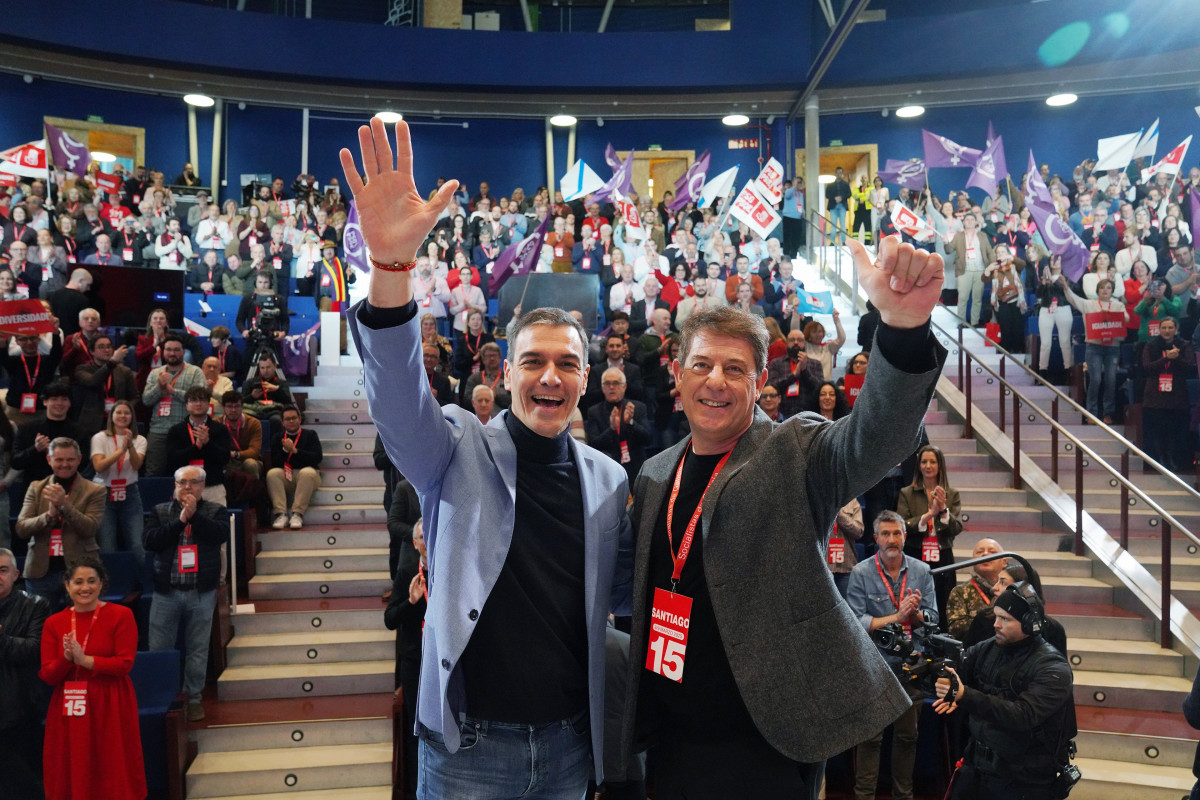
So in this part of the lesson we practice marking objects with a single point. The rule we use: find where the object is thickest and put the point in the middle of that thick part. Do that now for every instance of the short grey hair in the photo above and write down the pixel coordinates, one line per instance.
(555, 318)
(179, 472)
(64, 442)
(726, 321)
(888, 516)
(6, 553)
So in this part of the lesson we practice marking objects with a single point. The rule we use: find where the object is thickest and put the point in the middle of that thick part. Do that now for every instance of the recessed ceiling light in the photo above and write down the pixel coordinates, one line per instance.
(736, 119)
(389, 117)
(563, 120)
(103, 157)
(826, 179)
(910, 111)
(1064, 99)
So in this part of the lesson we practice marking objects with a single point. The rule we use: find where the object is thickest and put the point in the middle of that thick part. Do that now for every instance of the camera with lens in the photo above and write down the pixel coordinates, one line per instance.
(923, 656)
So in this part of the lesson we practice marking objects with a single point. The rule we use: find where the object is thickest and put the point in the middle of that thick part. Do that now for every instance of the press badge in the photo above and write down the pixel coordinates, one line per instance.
(189, 558)
(670, 617)
(56, 545)
(1166, 382)
(837, 550)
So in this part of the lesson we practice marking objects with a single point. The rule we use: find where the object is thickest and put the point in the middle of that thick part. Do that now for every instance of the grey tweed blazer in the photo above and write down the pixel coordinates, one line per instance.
(813, 682)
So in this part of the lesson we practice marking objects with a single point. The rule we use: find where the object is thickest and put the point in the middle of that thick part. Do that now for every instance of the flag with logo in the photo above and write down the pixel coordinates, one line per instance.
(942, 152)
(907, 221)
(991, 134)
(66, 152)
(26, 160)
(1148, 143)
(25, 318)
(1057, 234)
(519, 257)
(751, 209)
(909, 174)
(689, 185)
(634, 229)
(990, 169)
(1170, 163)
(611, 158)
(814, 302)
(770, 182)
(353, 244)
(621, 182)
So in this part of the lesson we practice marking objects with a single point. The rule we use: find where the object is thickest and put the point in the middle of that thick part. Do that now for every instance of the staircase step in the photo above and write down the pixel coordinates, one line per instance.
(974, 462)
(363, 461)
(343, 445)
(358, 793)
(309, 621)
(994, 517)
(345, 513)
(1076, 590)
(315, 584)
(1130, 690)
(313, 647)
(1106, 655)
(1101, 621)
(305, 680)
(340, 417)
(355, 496)
(350, 477)
(1121, 780)
(260, 771)
(296, 734)
(981, 479)
(330, 561)
(1060, 565)
(974, 498)
(1152, 738)
(329, 431)
(321, 537)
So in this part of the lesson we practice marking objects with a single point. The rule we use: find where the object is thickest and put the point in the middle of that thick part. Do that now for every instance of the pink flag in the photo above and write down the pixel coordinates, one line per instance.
(518, 258)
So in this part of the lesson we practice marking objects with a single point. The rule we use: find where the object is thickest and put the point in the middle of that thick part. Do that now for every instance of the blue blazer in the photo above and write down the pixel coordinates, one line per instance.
(466, 476)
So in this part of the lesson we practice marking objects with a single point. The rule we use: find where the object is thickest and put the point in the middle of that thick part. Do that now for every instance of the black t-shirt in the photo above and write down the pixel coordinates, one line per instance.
(706, 705)
(527, 661)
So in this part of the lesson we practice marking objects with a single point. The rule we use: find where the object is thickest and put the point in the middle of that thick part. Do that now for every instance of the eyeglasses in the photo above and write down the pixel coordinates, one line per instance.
(190, 482)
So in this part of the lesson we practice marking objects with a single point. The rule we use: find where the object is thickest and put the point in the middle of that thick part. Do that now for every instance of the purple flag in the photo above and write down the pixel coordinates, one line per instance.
(687, 188)
(1056, 233)
(909, 174)
(990, 169)
(67, 153)
(1195, 198)
(519, 258)
(941, 152)
(620, 183)
(352, 241)
(610, 156)
(991, 134)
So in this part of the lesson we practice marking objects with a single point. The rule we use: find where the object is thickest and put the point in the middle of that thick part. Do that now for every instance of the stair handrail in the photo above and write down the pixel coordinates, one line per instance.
(1060, 395)
(1169, 522)
(814, 231)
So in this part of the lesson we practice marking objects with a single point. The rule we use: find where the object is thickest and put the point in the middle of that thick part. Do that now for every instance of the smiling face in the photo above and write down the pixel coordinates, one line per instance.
(827, 398)
(83, 587)
(988, 570)
(719, 388)
(929, 465)
(546, 377)
(64, 461)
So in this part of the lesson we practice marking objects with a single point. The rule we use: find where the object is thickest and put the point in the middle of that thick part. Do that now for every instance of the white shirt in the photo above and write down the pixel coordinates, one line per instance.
(103, 444)
(213, 235)
(623, 295)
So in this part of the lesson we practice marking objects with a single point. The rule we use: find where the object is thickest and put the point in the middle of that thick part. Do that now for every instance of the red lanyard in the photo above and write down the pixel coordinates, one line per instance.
(987, 600)
(191, 433)
(106, 257)
(685, 545)
(235, 433)
(295, 441)
(492, 385)
(116, 445)
(888, 584)
(84, 347)
(36, 369)
(221, 352)
(19, 232)
(474, 349)
(83, 645)
(424, 583)
(171, 385)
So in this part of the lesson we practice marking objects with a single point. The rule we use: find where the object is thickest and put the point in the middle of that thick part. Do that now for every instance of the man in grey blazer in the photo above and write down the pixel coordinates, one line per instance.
(529, 544)
(749, 668)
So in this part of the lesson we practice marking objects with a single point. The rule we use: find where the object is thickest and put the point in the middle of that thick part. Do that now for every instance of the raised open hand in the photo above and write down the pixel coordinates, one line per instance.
(394, 217)
(904, 283)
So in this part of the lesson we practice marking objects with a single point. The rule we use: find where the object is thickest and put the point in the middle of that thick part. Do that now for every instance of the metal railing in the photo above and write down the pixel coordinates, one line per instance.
(1083, 452)
(834, 259)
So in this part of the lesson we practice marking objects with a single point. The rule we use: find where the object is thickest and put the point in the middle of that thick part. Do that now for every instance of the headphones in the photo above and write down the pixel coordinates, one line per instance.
(1033, 620)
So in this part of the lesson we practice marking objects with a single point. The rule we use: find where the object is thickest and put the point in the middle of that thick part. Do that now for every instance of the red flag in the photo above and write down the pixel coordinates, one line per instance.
(1170, 163)
(109, 183)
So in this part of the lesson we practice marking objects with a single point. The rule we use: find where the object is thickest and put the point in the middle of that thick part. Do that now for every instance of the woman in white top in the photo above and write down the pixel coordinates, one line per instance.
(1102, 352)
(1100, 267)
(879, 196)
(117, 454)
(820, 350)
(464, 299)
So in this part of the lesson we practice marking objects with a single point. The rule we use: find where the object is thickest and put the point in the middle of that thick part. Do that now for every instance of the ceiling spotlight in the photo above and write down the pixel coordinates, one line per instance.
(199, 100)
(389, 117)
(826, 179)
(599, 122)
(1064, 99)
(771, 120)
(563, 120)
(910, 111)
(735, 119)
(103, 157)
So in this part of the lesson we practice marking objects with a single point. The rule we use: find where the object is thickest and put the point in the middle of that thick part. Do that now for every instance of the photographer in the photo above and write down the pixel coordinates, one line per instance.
(1018, 690)
(262, 314)
(892, 588)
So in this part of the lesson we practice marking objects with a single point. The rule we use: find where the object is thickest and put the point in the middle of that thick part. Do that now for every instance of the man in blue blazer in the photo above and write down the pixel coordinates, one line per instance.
(529, 542)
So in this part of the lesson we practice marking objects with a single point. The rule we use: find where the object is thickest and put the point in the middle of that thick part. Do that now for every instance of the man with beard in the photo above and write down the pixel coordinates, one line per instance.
(99, 383)
(165, 392)
(704, 299)
(794, 376)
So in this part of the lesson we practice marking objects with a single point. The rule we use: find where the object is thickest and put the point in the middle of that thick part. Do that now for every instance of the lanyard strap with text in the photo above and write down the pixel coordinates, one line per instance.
(685, 545)
(888, 584)
(987, 600)
(36, 369)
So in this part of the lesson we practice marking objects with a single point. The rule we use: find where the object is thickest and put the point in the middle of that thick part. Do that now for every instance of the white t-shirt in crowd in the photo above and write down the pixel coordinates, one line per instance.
(104, 444)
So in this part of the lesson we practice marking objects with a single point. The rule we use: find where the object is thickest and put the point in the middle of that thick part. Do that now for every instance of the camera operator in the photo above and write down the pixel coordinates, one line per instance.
(892, 588)
(1018, 690)
(262, 316)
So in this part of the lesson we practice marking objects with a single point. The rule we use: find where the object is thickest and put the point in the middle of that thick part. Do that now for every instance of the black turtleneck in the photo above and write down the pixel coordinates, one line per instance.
(527, 661)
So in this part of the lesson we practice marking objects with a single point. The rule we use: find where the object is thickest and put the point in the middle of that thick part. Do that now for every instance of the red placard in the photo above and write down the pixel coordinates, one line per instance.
(109, 183)
(1105, 326)
(853, 385)
(20, 317)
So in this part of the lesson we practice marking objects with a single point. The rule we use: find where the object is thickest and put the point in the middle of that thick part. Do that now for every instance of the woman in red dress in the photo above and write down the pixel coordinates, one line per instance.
(93, 745)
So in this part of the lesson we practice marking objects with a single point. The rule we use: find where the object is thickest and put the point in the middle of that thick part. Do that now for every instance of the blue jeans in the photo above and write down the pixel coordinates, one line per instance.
(51, 587)
(195, 610)
(1102, 363)
(837, 215)
(501, 760)
(121, 525)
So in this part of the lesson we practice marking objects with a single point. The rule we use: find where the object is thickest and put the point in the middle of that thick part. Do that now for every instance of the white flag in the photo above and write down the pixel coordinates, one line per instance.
(1116, 152)
(718, 187)
(770, 182)
(751, 209)
(579, 181)
(1148, 143)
